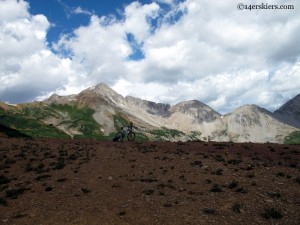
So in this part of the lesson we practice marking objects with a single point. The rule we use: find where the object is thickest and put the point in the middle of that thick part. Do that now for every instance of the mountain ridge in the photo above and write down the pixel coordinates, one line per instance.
(106, 111)
(290, 112)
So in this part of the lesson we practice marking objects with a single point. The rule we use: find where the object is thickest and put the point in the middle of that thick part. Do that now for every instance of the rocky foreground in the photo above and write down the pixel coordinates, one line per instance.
(56, 181)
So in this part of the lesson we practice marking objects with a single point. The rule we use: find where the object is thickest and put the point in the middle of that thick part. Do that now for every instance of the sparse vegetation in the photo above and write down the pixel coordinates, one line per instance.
(293, 138)
(122, 213)
(237, 207)
(132, 176)
(274, 194)
(4, 180)
(233, 184)
(272, 213)
(216, 188)
(148, 192)
(3, 202)
(219, 171)
(14, 193)
(166, 133)
(85, 190)
(196, 163)
(209, 211)
(49, 188)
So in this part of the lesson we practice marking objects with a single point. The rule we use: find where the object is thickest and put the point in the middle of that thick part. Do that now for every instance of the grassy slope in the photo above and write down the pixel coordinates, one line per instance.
(293, 138)
(27, 125)
(29, 121)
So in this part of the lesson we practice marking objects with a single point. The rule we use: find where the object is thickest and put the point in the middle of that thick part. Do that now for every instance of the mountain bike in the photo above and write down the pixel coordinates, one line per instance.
(125, 133)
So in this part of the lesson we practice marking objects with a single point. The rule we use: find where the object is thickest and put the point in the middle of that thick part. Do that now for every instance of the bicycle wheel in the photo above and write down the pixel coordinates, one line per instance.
(119, 136)
(131, 136)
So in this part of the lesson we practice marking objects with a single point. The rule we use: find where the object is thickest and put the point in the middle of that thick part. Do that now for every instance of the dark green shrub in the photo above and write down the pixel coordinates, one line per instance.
(233, 184)
(216, 188)
(122, 213)
(3, 202)
(85, 190)
(236, 207)
(148, 192)
(208, 181)
(43, 177)
(241, 190)
(14, 193)
(4, 180)
(209, 211)
(219, 171)
(60, 163)
(9, 161)
(272, 213)
(62, 180)
(168, 204)
(274, 194)
(49, 188)
(280, 174)
(219, 158)
(234, 161)
(196, 163)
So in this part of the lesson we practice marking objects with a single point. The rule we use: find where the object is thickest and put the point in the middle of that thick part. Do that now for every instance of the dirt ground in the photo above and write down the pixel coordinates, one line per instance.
(53, 181)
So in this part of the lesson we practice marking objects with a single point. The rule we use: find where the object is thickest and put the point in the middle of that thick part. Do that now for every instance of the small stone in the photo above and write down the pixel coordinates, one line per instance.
(110, 178)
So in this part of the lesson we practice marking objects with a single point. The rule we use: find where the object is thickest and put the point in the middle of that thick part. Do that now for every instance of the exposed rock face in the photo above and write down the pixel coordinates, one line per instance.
(153, 108)
(99, 94)
(254, 124)
(290, 112)
(247, 123)
(197, 110)
(57, 99)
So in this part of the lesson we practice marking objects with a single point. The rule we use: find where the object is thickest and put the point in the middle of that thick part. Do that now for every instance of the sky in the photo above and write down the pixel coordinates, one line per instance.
(218, 52)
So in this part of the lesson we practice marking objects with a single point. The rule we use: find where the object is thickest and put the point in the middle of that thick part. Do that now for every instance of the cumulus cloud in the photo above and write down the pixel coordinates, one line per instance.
(201, 50)
(28, 69)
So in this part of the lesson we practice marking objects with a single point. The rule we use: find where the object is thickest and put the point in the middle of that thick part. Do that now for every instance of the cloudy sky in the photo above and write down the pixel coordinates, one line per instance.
(160, 50)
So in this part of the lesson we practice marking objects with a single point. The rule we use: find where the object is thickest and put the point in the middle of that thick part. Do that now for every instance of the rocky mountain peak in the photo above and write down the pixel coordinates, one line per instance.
(292, 106)
(104, 92)
(290, 112)
(198, 110)
(253, 112)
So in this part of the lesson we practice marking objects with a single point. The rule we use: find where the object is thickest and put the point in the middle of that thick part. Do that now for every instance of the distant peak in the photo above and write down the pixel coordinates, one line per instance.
(251, 109)
(191, 104)
(54, 97)
(102, 85)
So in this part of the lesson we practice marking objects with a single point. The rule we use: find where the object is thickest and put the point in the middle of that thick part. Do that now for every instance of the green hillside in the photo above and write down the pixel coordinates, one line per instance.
(29, 121)
(27, 125)
(293, 138)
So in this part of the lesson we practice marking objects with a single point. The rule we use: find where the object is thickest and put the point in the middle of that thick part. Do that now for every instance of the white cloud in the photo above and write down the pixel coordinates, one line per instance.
(79, 10)
(137, 19)
(28, 68)
(201, 50)
(10, 10)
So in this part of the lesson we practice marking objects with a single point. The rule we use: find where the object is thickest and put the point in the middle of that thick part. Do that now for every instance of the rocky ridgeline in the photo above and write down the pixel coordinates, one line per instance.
(192, 119)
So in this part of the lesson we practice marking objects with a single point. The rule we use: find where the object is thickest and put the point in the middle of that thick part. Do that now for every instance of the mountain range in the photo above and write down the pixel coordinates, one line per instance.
(99, 112)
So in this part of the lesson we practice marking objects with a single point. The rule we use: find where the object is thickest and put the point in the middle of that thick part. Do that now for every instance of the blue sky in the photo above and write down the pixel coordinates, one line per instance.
(162, 50)
(67, 15)
(62, 13)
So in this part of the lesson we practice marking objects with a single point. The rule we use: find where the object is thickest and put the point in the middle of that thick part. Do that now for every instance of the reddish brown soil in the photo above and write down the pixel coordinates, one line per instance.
(51, 181)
